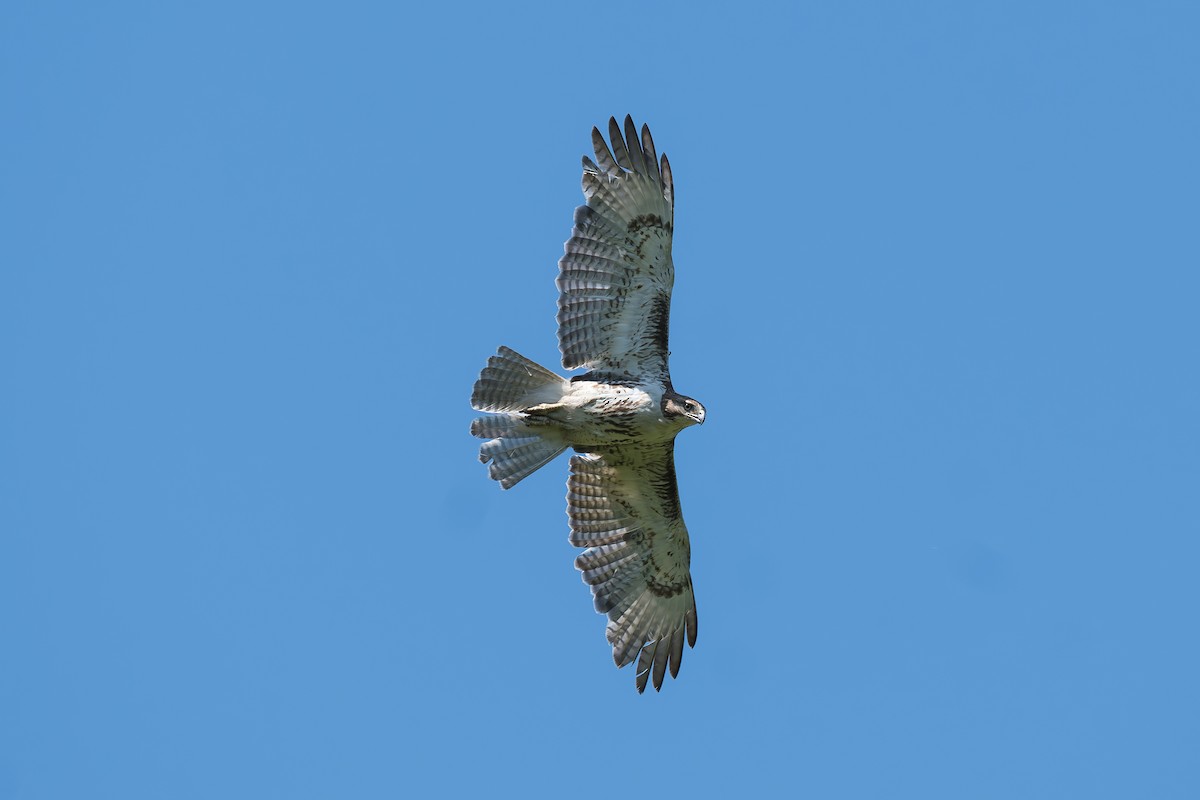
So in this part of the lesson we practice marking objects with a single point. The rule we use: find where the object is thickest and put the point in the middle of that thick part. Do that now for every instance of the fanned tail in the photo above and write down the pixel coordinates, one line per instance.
(511, 382)
(519, 445)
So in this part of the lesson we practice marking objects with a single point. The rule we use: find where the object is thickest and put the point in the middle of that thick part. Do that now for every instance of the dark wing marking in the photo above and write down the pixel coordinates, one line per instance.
(616, 276)
(624, 507)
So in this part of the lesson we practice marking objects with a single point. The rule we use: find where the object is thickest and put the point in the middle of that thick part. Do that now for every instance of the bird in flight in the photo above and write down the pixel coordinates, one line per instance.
(621, 416)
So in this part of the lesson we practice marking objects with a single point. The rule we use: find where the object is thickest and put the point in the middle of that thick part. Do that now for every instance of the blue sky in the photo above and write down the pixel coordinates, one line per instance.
(937, 278)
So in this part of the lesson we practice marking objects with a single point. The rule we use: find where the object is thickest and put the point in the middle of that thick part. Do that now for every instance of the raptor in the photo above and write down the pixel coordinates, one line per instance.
(620, 416)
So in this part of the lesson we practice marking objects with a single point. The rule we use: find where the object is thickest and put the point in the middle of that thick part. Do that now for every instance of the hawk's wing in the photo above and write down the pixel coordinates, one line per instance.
(624, 507)
(616, 276)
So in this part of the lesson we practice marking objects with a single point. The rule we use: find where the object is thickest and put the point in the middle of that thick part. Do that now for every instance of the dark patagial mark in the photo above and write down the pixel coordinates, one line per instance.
(661, 478)
(667, 489)
(658, 321)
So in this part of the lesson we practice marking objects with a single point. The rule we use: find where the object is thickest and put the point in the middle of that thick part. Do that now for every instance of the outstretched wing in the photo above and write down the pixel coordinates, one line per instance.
(624, 507)
(615, 279)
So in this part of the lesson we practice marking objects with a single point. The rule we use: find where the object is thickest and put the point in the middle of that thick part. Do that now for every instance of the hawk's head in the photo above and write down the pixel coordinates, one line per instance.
(684, 409)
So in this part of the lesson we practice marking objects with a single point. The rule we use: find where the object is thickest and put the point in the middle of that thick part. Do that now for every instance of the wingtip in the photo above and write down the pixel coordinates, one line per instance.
(604, 155)
(631, 141)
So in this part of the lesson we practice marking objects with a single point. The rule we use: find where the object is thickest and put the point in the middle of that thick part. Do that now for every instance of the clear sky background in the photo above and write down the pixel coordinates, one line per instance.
(937, 283)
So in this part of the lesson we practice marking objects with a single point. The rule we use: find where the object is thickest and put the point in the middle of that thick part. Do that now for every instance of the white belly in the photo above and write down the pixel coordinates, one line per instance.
(601, 414)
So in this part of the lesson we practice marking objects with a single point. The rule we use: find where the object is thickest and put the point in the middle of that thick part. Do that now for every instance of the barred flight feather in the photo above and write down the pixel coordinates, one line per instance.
(621, 509)
(619, 256)
(513, 458)
(512, 382)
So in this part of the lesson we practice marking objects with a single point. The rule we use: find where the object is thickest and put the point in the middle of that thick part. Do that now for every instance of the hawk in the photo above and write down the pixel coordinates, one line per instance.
(621, 416)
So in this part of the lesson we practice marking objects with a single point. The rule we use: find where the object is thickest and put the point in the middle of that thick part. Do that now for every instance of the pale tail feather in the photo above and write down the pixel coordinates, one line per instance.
(515, 458)
(510, 384)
